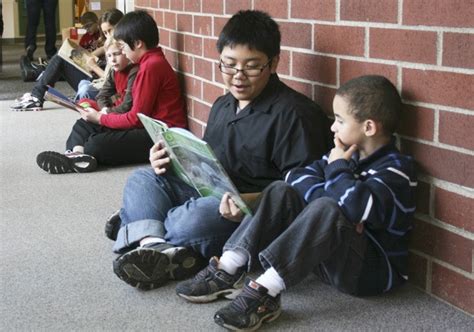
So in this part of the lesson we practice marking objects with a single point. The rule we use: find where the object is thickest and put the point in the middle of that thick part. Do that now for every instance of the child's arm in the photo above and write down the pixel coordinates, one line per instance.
(382, 197)
(104, 97)
(147, 85)
(127, 101)
(308, 181)
(94, 67)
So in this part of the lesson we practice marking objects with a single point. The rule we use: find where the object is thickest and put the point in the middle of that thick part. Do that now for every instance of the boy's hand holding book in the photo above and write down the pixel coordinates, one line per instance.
(89, 114)
(229, 210)
(159, 159)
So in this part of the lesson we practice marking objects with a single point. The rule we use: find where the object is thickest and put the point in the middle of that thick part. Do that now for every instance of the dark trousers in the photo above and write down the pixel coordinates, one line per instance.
(296, 238)
(109, 146)
(33, 10)
(56, 68)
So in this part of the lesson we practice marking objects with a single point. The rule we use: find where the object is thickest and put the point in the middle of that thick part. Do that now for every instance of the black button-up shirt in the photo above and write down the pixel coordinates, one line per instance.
(279, 130)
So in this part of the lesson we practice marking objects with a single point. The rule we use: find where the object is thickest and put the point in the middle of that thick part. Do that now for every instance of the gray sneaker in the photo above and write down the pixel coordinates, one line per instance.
(211, 284)
(27, 102)
(151, 266)
(250, 309)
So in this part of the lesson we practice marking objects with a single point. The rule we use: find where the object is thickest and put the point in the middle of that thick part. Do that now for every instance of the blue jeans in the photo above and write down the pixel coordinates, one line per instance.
(296, 239)
(57, 67)
(166, 207)
(85, 89)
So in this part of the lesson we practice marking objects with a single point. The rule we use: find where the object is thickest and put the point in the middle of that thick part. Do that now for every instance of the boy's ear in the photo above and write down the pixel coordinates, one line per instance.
(274, 64)
(138, 44)
(371, 127)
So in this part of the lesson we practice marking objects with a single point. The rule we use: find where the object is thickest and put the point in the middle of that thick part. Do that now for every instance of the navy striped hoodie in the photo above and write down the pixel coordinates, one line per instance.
(378, 191)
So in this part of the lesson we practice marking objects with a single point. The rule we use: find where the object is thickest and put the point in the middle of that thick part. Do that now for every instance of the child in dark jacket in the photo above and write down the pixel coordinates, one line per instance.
(87, 140)
(345, 217)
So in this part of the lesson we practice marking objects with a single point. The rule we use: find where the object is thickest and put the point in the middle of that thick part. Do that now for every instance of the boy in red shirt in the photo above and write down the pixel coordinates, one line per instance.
(156, 90)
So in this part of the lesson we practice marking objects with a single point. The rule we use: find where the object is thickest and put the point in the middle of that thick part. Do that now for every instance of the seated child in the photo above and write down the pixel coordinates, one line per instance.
(87, 88)
(345, 217)
(115, 96)
(58, 67)
(119, 138)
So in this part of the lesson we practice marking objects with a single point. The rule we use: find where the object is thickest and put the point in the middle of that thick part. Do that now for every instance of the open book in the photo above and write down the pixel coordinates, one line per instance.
(57, 97)
(76, 56)
(193, 161)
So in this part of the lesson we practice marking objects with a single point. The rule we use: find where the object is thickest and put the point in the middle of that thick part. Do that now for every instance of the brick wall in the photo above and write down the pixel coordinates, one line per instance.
(426, 47)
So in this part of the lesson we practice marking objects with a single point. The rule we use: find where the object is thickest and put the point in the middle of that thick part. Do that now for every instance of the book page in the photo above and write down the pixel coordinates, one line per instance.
(76, 56)
(193, 161)
(201, 166)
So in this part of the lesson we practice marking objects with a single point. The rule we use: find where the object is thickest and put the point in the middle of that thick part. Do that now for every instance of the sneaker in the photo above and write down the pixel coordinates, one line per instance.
(151, 266)
(27, 102)
(58, 163)
(30, 71)
(112, 225)
(250, 309)
(212, 283)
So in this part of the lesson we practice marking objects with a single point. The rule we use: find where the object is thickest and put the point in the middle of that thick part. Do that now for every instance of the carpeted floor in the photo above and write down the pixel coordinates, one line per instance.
(56, 264)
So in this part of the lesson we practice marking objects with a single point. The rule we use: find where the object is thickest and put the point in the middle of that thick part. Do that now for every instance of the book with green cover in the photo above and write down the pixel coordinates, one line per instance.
(193, 161)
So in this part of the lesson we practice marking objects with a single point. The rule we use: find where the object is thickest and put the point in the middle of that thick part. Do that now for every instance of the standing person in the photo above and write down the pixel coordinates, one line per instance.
(346, 217)
(58, 67)
(259, 131)
(88, 141)
(33, 12)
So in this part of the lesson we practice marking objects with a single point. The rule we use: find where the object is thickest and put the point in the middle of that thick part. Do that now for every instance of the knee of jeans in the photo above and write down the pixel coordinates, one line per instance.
(141, 178)
(280, 188)
(194, 219)
(324, 203)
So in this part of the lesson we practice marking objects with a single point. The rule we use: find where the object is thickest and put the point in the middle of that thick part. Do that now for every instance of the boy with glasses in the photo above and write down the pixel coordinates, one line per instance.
(259, 131)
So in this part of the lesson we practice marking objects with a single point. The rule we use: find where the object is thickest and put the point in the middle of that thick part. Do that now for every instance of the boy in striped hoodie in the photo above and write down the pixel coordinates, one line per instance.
(345, 217)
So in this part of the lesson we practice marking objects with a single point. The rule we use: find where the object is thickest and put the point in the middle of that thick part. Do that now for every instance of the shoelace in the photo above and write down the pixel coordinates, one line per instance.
(248, 299)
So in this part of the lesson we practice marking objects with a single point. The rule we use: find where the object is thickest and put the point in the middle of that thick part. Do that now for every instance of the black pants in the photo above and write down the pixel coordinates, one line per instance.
(109, 146)
(296, 239)
(33, 9)
(57, 68)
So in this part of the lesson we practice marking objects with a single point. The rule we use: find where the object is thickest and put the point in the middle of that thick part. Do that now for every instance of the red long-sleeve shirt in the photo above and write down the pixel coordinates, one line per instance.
(155, 93)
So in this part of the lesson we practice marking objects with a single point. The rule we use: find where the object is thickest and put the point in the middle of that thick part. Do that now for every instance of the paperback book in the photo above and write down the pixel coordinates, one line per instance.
(57, 97)
(76, 56)
(193, 161)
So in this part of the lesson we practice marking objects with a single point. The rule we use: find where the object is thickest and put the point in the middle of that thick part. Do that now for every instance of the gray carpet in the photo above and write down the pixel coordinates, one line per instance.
(56, 264)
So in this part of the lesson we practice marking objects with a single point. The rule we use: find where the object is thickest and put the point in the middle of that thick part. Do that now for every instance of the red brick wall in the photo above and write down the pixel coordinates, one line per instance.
(426, 47)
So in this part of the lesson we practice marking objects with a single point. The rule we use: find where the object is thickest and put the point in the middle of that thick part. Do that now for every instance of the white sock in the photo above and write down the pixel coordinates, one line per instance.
(78, 148)
(151, 239)
(272, 281)
(231, 260)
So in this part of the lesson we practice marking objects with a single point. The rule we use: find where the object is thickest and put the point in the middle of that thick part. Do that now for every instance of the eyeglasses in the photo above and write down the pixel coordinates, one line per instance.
(249, 72)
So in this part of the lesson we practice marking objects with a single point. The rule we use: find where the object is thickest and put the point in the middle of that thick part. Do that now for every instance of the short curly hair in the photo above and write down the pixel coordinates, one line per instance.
(373, 97)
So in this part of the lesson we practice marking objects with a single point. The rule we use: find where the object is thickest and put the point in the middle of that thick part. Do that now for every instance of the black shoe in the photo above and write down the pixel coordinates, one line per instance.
(30, 71)
(250, 309)
(112, 225)
(153, 265)
(58, 163)
(30, 50)
(212, 283)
